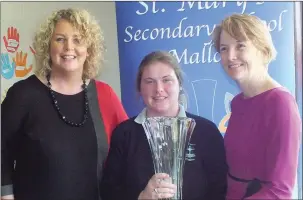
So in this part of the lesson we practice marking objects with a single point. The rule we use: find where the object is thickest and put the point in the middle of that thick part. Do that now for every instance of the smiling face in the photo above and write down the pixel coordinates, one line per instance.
(159, 88)
(240, 59)
(68, 51)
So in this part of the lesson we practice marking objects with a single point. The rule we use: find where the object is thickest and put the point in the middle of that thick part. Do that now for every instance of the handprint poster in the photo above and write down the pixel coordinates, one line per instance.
(11, 41)
(17, 58)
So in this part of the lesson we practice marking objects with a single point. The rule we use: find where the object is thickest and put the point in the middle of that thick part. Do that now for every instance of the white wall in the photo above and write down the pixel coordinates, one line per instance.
(27, 16)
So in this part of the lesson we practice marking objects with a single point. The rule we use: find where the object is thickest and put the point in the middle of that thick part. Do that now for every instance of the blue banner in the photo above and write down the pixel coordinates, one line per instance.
(184, 29)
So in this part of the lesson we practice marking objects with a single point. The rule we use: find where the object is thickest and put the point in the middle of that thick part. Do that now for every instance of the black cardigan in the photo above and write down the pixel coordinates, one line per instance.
(129, 165)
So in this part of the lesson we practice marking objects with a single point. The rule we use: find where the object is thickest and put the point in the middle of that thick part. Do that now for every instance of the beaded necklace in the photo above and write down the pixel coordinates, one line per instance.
(56, 105)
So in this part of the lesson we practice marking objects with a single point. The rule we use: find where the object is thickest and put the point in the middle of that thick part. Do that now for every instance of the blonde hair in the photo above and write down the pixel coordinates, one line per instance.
(247, 27)
(90, 31)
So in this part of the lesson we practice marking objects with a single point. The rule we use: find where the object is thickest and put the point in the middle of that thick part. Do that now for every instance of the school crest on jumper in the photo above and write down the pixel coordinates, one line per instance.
(190, 152)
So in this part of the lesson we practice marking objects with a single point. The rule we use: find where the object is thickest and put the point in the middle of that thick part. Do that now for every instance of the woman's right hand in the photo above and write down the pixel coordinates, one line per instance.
(158, 187)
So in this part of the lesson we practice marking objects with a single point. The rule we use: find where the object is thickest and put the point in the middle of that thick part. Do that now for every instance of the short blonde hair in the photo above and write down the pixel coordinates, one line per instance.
(89, 30)
(247, 27)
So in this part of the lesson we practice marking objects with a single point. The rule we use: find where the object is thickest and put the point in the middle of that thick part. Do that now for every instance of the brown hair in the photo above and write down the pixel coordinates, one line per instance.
(159, 56)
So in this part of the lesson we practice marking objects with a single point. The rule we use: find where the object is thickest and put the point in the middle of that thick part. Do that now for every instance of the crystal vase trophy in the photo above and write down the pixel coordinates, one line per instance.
(168, 138)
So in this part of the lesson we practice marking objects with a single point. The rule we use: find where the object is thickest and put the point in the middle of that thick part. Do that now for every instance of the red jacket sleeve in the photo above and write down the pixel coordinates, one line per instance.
(282, 151)
(111, 108)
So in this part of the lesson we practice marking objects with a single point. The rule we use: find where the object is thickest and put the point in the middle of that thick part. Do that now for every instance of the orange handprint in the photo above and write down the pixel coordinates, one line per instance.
(21, 70)
(12, 40)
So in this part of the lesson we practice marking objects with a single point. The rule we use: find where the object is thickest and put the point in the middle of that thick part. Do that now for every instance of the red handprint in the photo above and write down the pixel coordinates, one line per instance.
(12, 40)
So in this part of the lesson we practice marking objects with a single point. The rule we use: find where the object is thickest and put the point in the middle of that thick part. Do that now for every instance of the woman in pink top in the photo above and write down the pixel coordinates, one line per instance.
(264, 132)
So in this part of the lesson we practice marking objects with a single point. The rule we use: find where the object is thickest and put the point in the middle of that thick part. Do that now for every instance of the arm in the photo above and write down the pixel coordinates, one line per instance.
(12, 117)
(112, 184)
(216, 166)
(282, 151)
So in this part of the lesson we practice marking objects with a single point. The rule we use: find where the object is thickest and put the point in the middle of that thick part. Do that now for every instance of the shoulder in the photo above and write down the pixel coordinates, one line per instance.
(21, 96)
(21, 84)
(128, 123)
(280, 101)
(126, 127)
(23, 88)
(127, 132)
(283, 115)
(278, 96)
(282, 104)
(102, 85)
(104, 88)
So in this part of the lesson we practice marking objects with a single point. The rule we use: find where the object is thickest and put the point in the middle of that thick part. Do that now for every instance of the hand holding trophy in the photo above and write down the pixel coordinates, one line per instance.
(160, 186)
(168, 138)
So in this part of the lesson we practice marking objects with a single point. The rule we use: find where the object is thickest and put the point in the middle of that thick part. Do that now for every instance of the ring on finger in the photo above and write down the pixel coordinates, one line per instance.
(156, 191)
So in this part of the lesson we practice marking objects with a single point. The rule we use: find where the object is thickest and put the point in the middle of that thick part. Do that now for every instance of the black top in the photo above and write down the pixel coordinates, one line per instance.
(54, 161)
(129, 165)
